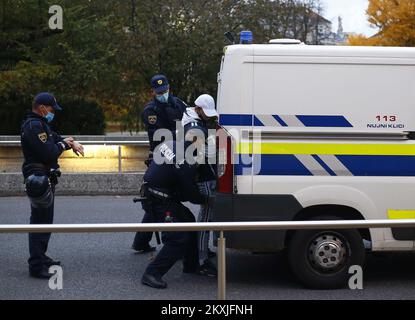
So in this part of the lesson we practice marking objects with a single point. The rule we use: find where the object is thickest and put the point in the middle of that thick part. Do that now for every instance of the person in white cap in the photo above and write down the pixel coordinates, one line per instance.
(204, 110)
(205, 116)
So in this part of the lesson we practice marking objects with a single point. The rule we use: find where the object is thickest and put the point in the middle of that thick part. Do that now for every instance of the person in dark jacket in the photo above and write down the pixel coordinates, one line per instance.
(163, 112)
(169, 181)
(160, 117)
(42, 148)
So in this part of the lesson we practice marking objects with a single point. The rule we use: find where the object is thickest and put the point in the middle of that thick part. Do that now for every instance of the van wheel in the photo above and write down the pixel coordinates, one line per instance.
(321, 259)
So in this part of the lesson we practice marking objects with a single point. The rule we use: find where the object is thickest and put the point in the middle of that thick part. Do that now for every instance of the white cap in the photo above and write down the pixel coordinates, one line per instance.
(207, 103)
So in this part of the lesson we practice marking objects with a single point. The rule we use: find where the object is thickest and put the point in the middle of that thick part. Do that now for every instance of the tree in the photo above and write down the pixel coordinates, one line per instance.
(109, 49)
(395, 20)
(75, 62)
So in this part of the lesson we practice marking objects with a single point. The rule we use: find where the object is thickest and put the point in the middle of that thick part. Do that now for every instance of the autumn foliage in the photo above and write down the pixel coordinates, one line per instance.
(395, 20)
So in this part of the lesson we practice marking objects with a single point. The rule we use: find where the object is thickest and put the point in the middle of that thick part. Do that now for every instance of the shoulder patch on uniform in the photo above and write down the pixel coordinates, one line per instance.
(43, 137)
(152, 120)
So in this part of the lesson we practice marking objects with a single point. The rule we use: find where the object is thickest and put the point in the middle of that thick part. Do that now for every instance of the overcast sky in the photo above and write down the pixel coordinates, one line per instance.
(353, 13)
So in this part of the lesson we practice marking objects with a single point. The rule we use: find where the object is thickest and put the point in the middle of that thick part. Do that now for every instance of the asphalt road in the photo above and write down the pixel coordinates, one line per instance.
(102, 266)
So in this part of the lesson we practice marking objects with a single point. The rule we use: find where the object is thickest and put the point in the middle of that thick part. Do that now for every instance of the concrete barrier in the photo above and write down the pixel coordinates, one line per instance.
(11, 184)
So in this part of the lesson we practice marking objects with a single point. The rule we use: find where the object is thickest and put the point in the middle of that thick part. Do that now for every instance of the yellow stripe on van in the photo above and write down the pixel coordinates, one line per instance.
(401, 214)
(327, 149)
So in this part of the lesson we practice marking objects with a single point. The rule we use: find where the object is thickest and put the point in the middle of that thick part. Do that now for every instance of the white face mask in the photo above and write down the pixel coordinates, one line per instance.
(163, 98)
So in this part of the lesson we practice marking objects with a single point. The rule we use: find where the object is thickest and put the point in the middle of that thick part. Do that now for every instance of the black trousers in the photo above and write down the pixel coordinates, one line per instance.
(177, 245)
(142, 239)
(38, 242)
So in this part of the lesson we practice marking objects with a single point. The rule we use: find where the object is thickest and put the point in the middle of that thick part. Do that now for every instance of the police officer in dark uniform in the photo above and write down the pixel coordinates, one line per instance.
(169, 181)
(41, 149)
(163, 112)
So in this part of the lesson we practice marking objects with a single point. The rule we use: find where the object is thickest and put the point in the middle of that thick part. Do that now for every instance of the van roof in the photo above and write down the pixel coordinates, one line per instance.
(320, 51)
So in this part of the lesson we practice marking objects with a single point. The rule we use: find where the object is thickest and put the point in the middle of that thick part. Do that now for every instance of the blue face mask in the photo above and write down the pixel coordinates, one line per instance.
(163, 98)
(49, 117)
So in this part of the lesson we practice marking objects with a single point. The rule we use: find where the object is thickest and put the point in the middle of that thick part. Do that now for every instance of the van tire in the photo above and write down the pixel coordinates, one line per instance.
(321, 259)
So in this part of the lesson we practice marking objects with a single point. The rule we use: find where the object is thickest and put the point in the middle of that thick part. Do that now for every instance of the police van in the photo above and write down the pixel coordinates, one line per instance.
(317, 133)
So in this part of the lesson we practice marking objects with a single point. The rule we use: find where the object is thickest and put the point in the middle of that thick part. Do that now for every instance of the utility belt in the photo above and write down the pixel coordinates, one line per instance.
(41, 169)
(155, 193)
(159, 194)
(150, 196)
(35, 168)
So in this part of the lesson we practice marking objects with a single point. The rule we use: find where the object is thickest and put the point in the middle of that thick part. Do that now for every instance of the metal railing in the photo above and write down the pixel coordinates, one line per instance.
(105, 141)
(219, 227)
(109, 142)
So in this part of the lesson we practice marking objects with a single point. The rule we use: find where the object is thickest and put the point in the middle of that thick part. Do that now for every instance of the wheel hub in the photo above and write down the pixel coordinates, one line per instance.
(327, 252)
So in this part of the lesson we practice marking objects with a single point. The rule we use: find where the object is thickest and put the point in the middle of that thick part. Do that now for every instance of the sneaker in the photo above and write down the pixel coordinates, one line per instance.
(211, 254)
(207, 269)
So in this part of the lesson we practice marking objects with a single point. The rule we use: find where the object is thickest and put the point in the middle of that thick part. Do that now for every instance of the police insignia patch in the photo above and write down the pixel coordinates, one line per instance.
(152, 120)
(43, 137)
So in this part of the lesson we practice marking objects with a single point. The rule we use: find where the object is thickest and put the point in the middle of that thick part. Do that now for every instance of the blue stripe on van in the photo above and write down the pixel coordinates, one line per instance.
(247, 120)
(271, 165)
(325, 121)
(324, 165)
(258, 123)
(280, 121)
(382, 166)
(289, 165)
(242, 120)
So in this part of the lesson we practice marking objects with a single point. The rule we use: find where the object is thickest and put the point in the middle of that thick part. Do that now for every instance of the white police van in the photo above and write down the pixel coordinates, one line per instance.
(317, 133)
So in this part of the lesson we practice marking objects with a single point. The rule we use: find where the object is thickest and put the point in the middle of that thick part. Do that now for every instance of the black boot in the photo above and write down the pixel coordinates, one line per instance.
(42, 273)
(49, 262)
(153, 281)
(144, 250)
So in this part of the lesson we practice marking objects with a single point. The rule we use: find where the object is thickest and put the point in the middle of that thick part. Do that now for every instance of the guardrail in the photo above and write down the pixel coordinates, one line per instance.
(143, 143)
(104, 141)
(219, 227)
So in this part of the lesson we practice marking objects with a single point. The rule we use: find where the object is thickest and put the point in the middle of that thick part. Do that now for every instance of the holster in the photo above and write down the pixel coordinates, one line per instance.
(147, 204)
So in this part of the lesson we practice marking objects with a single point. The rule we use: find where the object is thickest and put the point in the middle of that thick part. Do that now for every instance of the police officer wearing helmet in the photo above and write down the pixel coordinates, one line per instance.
(169, 181)
(41, 149)
(163, 112)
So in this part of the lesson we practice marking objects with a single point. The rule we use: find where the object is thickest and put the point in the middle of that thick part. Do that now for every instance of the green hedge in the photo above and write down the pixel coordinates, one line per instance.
(79, 117)
(12, 112)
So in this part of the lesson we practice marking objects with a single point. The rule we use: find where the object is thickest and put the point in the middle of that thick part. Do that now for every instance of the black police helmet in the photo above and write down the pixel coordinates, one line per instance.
(36, 186)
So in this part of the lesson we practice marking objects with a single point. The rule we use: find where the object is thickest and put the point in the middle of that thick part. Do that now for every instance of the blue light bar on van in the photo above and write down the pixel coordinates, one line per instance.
(246, 37)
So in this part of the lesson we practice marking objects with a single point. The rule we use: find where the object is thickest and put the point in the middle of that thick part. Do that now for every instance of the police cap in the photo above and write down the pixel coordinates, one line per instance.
(160, 83)
(47, 99)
